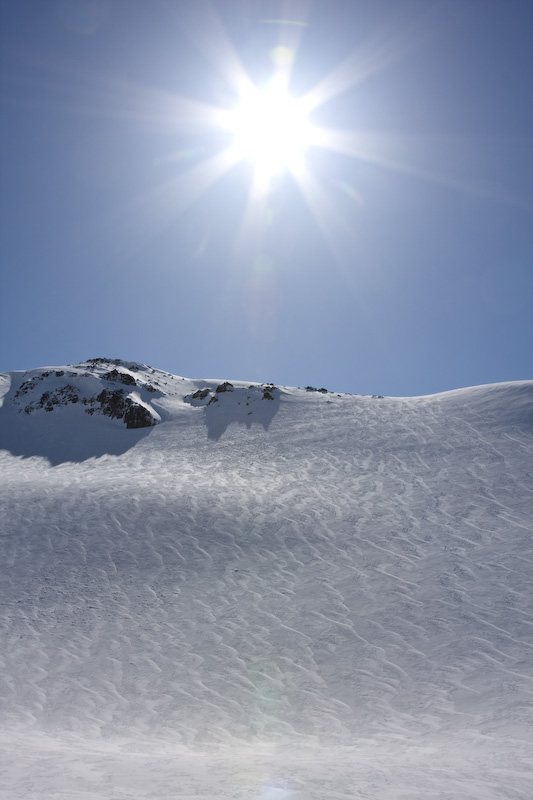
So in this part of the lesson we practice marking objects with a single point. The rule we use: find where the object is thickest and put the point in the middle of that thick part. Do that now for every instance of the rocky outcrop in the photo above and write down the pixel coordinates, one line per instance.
(48, 400)
(224, 387)
(113, 401)
(138, 416)
(200, 394)
(120, 377)
(117, 405)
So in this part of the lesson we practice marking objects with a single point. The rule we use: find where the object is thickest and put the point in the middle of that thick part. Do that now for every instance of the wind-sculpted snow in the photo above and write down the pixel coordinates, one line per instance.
(334, 602)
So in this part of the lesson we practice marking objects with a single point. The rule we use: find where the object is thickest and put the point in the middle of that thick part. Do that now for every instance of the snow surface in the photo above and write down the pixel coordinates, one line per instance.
(298, 596)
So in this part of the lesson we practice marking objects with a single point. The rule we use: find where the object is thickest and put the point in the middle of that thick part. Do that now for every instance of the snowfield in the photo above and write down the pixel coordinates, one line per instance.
(232, 590)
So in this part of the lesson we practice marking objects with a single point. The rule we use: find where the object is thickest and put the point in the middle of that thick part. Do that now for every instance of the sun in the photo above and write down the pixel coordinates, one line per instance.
(271, 130)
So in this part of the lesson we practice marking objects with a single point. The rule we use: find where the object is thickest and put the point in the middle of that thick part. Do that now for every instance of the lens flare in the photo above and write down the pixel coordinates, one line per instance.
(271, 129)
(268, 128)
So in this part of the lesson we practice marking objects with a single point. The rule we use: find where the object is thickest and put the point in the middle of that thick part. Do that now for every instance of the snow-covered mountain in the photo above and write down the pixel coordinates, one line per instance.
(224, 589)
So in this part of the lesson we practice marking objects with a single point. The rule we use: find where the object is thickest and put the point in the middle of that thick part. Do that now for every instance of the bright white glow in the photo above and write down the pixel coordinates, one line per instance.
(271, 129)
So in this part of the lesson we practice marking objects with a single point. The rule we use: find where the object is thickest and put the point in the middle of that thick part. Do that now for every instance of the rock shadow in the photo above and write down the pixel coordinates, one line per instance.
(256, 405)
(65, 440)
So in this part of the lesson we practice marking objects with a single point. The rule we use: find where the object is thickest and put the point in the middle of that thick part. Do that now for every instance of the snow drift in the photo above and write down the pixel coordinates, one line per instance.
(263, 592)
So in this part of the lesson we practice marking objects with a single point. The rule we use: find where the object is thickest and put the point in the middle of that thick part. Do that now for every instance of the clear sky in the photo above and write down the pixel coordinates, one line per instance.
(374, 237)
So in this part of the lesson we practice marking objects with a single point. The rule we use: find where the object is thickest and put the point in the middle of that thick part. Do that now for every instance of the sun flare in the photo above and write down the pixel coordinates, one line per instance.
(271, 129)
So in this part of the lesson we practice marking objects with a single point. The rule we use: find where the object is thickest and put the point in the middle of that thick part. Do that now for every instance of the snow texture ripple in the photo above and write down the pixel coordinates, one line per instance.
(270, 593)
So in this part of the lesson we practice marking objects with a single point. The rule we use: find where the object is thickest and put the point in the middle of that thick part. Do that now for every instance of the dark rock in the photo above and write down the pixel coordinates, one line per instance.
(200, 394)
(95, 361)
(45, 397)
(61, 397)
(137, 416)
(27, 386)
(224, 387)
(112, 403)
(120, 377)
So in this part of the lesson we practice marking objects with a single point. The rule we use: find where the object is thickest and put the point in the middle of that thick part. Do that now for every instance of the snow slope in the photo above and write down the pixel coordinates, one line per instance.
(265, 592)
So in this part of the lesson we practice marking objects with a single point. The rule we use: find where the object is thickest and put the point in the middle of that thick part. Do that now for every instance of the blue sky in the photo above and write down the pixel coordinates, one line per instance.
(401, 263)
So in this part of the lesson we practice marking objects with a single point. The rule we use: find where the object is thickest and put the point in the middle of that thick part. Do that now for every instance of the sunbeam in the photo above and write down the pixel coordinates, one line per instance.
(273, 130)
(265, 125)
(204, 27)
(146, 216)
(375, 55)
